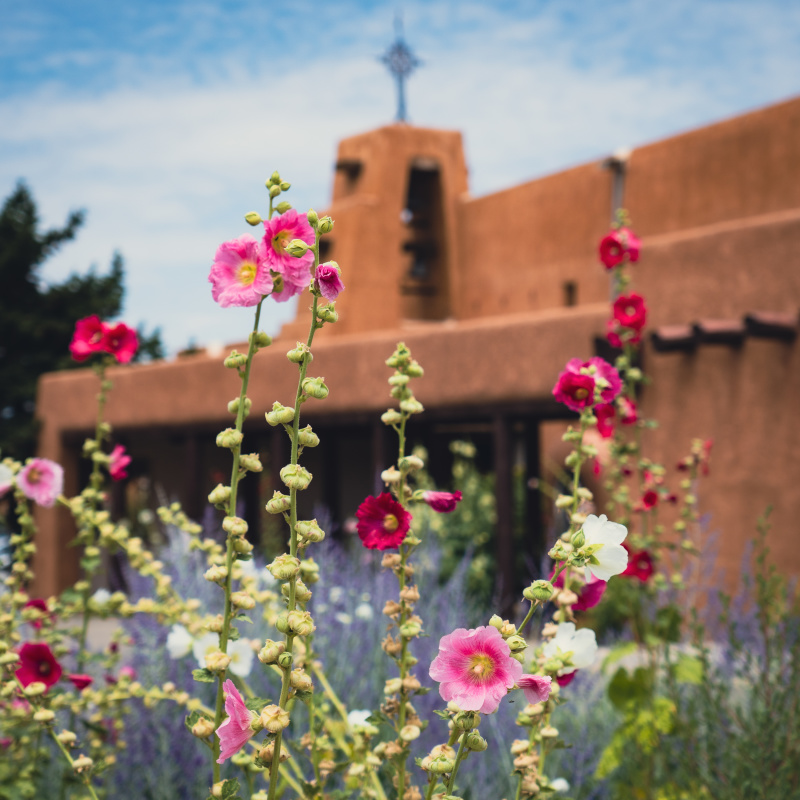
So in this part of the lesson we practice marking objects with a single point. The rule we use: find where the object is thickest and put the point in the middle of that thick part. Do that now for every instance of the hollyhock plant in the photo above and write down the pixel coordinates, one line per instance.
(574, 390)
(120, 341)
(649, 499)
(295, 271)
(179, 641)
(38, 664)
(605, 414)
(631, 242)
(443, 502)
(382, 522)
(628, 413)
(475, 669)
(618, 245)
(41, 480)
(610, 557)
(580, 644)
(329, 280)
(589, 592)
(6, 479)
(640, 564)
(240, 274)
(80, 681)
(118, 463)
(236, 730)
(87, 338)
(630, 311)
(40, 605)
(536, 688)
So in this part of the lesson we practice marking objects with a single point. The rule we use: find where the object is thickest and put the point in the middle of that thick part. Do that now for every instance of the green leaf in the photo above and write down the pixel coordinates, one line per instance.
(618, 652)
(625, 689)
(229, 788)
(244, 618)
(203, 675)
(191, 719)
(257, 703)
(689, 669)
(233, 634)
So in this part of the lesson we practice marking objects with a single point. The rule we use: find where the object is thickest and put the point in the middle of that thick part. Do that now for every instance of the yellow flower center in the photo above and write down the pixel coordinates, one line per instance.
(390, 523)
(581, 393)
(34, 476)
(280, 241)
(247, 273)
(481, 666)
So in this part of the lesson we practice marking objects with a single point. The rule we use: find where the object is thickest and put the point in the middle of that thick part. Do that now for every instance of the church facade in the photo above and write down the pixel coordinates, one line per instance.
(493, 295)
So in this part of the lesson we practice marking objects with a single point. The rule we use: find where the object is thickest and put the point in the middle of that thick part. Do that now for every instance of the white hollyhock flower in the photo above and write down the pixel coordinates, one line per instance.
(364, 611)
(580, 643)
(100, 598)
(241, 653)
(559, 785)
(203, 645)
(611, 556)
(179, 641)
(6, 479)
(358, 717)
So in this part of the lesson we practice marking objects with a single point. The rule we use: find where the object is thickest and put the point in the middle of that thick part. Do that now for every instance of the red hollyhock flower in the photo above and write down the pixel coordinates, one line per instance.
(37, 602)
(566, 680)
(630, 311)
(37, 663)
(575, 391)
(618, 336)
(589, 593)
(443, 502)
(612, 250)
(650, 499)
(121, 342)
(87, 338)
(633, 244)
(382, 522)
(605, 413)
(640, 564)
(628, 413)
(80, 681)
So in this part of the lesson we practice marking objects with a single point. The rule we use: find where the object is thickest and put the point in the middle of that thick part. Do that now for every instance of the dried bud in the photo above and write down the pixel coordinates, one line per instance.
(203, 728)
(300, 622)
(216, 573)
(242, 600)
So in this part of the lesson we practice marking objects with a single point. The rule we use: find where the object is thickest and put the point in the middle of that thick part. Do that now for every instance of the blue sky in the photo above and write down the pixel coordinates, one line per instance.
(162, 119)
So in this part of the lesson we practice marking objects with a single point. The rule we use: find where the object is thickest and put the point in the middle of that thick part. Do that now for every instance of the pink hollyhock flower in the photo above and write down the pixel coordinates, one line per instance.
(631, 242)
(589, 592)
(235, 731)
(119, 460)
(618, 245)
(120, 341)
(80, 681)
(278, 233)
(605, 413)
(609, 374)
(37, 663)
(574, 390)
(649, 499)
(41, 480)
(640, 564)
(40, 604)
(630, 311)
(382, 522)
(536, 688)
(443, 502)
(87, 338)
(474, 669)
(628, 413)
(240, 273)
(329, 280)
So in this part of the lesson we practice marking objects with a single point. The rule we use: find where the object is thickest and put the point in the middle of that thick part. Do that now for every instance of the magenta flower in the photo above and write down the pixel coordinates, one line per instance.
(574, 390)
(87, 338)
(329, 280)
(235, 731)
(605, 414)
(632, 243)
(630, 311)
(618, 245)
(80, 681)
(120, 341)
(382, 522)
(535, 687)
(40, 605)
(589, 591)
(41, 480)
(118, 463)
(278, 233)
(628, 413)
(240, 273)
(37, 664)
(474, 669)
(443, 502)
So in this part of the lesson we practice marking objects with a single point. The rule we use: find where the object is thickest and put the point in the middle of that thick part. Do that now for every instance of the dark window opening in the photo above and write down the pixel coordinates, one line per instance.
(570, 293)
(325, 248)
(350, 170)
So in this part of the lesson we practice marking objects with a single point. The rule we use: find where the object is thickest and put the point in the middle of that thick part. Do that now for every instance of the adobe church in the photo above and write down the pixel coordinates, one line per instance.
(493, 295)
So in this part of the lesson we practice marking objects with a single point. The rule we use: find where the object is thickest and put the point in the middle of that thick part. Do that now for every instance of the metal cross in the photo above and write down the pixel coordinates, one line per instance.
(401, 62)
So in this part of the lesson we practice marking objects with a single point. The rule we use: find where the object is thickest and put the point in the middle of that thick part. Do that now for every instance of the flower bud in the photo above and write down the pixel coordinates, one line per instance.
(242, 546)
(325, 225)
(391, 417)
(82, 763)
(410, 732)
(216, 573)
(295, 476)
(229, 438)
(297, 248)
(283, 207)
(496, 622)
(390, 476)
(578, 539)
(274, 718)
(274, 191)
(411, 463)
(411, 406)
(251, 462)
(260, 339)
(219, 495)
(539, 590)
(309, 569)
(44, 715)
(410, 629)
(280, 414)
(253, 218)
(235, 526)
(300, 353)
(309, 530)
(301, 680)
(217, 661)
(235, 360)
(203, 728)
(414, 370)
(67, 738)
(476, 742)
(279, 503)
(312, 217)
(516, 644)
(269, 653)
(392, 686)
(284, 567)
(315, 387)
(328, 313)
(300, 622)
(266, 754)
(564, 501)
(307, 438)
(466, 720)
(441, 765)
(285, 660)
(301, 592)
(285, 186)
(242, 600)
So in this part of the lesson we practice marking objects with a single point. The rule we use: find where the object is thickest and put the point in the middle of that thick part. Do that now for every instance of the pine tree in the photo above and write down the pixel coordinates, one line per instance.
(37, 321)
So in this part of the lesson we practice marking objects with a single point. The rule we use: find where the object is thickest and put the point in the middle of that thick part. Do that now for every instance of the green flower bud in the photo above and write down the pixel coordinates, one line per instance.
(309, 530)
(411, 406)
(411, 463)
(516, 644)
(229, 438)
(410, 629)
(251, 462)
(301, 592)
(282, 624)
(274, 718)
(284, 567)
(235, 360)
(279, 503)
(325, 225)
(466, 720)
(253, 218)
(297, 248)
(301, 623)
(283, 207)
(539, 590)
(285, 660)
(312, 217)
(476, 742)
(44, 715)
(315, 387)
(301, 680)
(242, 545)
(414, 370)
(328, 313)
(203, 728)
(270, 652)
(280, 415)
(578, 539)
(295, 476)
(391, 417)
(496, 622)
(285, 186)
(307, 438)
(300, 353)
(410, 732)
(235, 526)
(274, 191)
(275, 178)
(260, 339)
(441, 765)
